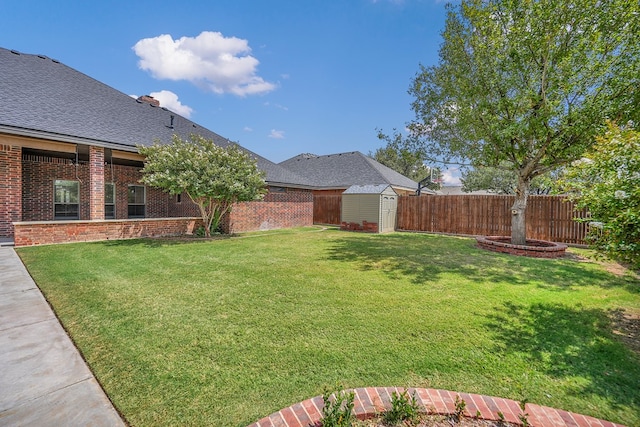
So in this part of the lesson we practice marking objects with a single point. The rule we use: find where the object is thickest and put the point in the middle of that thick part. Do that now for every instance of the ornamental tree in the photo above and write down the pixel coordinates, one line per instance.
(528, 84)
(214, 177)
(607, 182)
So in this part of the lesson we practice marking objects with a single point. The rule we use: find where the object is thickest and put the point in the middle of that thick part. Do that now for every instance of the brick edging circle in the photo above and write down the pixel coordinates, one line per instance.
(538, 248)
(372, 401)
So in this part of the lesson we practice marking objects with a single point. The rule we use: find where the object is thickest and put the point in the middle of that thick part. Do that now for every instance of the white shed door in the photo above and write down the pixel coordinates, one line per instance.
(389, 212)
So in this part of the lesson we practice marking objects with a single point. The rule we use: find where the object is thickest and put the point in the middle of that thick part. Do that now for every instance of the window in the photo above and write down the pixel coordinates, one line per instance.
(109, 200)
(136, 201)
(178, 198)
(66, 196)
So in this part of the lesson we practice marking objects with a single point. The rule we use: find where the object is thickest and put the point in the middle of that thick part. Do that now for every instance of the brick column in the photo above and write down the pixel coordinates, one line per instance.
(96, 182)
(10, 188)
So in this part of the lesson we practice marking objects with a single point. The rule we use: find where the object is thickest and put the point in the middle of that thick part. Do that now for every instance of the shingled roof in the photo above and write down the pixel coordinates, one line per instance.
(346, 169)
(42, 98)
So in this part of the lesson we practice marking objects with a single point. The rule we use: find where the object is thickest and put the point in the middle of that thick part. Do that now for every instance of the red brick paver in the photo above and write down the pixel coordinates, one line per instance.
(371, 401)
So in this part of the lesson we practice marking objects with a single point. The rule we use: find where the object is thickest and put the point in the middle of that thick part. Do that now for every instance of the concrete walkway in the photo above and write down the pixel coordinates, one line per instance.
(43, 378)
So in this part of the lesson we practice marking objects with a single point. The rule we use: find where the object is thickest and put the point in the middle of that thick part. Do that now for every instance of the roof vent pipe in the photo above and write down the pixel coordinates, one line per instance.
(171, 124)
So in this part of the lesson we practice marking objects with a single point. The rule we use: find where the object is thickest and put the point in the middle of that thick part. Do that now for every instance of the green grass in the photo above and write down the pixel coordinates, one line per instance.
(225, 332)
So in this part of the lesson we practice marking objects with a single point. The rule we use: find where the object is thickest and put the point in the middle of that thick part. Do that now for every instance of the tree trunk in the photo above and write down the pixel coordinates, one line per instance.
(518, 211)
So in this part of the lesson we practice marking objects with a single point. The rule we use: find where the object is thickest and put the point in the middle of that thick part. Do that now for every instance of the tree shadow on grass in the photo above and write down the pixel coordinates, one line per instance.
(571, 342)
(424, 258)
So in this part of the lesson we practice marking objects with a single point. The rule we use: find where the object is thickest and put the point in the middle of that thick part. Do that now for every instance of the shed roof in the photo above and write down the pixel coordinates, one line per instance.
(370, 189)
(42, 98)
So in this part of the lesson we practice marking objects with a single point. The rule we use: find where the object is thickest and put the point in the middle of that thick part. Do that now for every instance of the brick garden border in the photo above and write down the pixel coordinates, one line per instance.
(537, 248)
(372, 401)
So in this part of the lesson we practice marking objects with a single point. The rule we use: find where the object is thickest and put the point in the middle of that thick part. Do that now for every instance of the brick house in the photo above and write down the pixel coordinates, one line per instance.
(70, 170)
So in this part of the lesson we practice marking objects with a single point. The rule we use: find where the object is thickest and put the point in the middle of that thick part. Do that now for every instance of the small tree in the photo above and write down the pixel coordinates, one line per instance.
(607, 182)
(213, 177)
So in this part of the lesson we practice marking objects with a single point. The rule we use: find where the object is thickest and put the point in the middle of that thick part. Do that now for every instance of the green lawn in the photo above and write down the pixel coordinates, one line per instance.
(225, 332)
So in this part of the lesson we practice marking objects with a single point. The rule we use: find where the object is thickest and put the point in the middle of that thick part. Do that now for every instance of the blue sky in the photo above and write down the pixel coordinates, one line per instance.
(281, 77)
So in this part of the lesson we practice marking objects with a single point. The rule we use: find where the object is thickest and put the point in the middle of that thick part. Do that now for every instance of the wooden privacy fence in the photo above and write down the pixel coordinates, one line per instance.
(548, 217)
(327, 209)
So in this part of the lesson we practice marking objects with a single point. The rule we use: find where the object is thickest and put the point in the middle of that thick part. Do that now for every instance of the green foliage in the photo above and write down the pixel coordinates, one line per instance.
(607, 182)
(406, 155)
(337, 409)
(524, 416)
(460, 406)
(502, 180)
(213, 177)
(528, 84)
(403, 408)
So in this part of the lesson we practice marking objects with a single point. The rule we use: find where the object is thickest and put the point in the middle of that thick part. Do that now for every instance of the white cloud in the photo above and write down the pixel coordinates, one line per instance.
(210, 60)
(281, 107)
(170, 101)
(247, 129)
(276, 134)
(451, 176)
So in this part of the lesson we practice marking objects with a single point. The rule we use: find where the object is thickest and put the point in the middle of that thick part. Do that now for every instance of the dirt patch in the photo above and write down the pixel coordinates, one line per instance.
(626, 325)
(619, 269)
(436, 421)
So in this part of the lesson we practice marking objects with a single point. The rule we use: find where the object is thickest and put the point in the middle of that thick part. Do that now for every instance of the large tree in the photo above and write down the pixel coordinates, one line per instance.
(214, 177)
(528, 83)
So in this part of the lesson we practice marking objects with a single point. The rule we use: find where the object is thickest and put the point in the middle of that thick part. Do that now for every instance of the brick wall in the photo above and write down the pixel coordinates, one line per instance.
(39, 173)
(46, 233)
(184, 207)
(10, 188)
(293, 208)
(157, 201)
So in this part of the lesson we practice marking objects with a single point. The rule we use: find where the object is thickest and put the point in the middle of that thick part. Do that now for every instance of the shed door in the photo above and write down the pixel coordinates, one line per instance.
(389, 211)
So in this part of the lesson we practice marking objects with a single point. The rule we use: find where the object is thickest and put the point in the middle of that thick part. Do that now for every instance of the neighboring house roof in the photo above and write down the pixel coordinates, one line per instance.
(346, 169)
(369, 189)
(43, 98)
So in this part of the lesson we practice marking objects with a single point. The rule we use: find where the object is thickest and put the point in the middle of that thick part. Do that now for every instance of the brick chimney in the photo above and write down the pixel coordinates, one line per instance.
(149, 100)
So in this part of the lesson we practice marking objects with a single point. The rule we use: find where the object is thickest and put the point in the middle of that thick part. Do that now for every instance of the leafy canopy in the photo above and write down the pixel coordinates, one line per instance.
(528, 83)
(607, 182)
(213, 177)
(407, 156)
(503, 180)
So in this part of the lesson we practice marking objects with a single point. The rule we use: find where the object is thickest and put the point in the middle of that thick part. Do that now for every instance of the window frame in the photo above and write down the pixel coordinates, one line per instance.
(113, 203)
(65, 214)
(136, 204)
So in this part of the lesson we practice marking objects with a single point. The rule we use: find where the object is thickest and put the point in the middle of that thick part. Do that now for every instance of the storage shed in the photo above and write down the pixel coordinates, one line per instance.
(370, 208)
